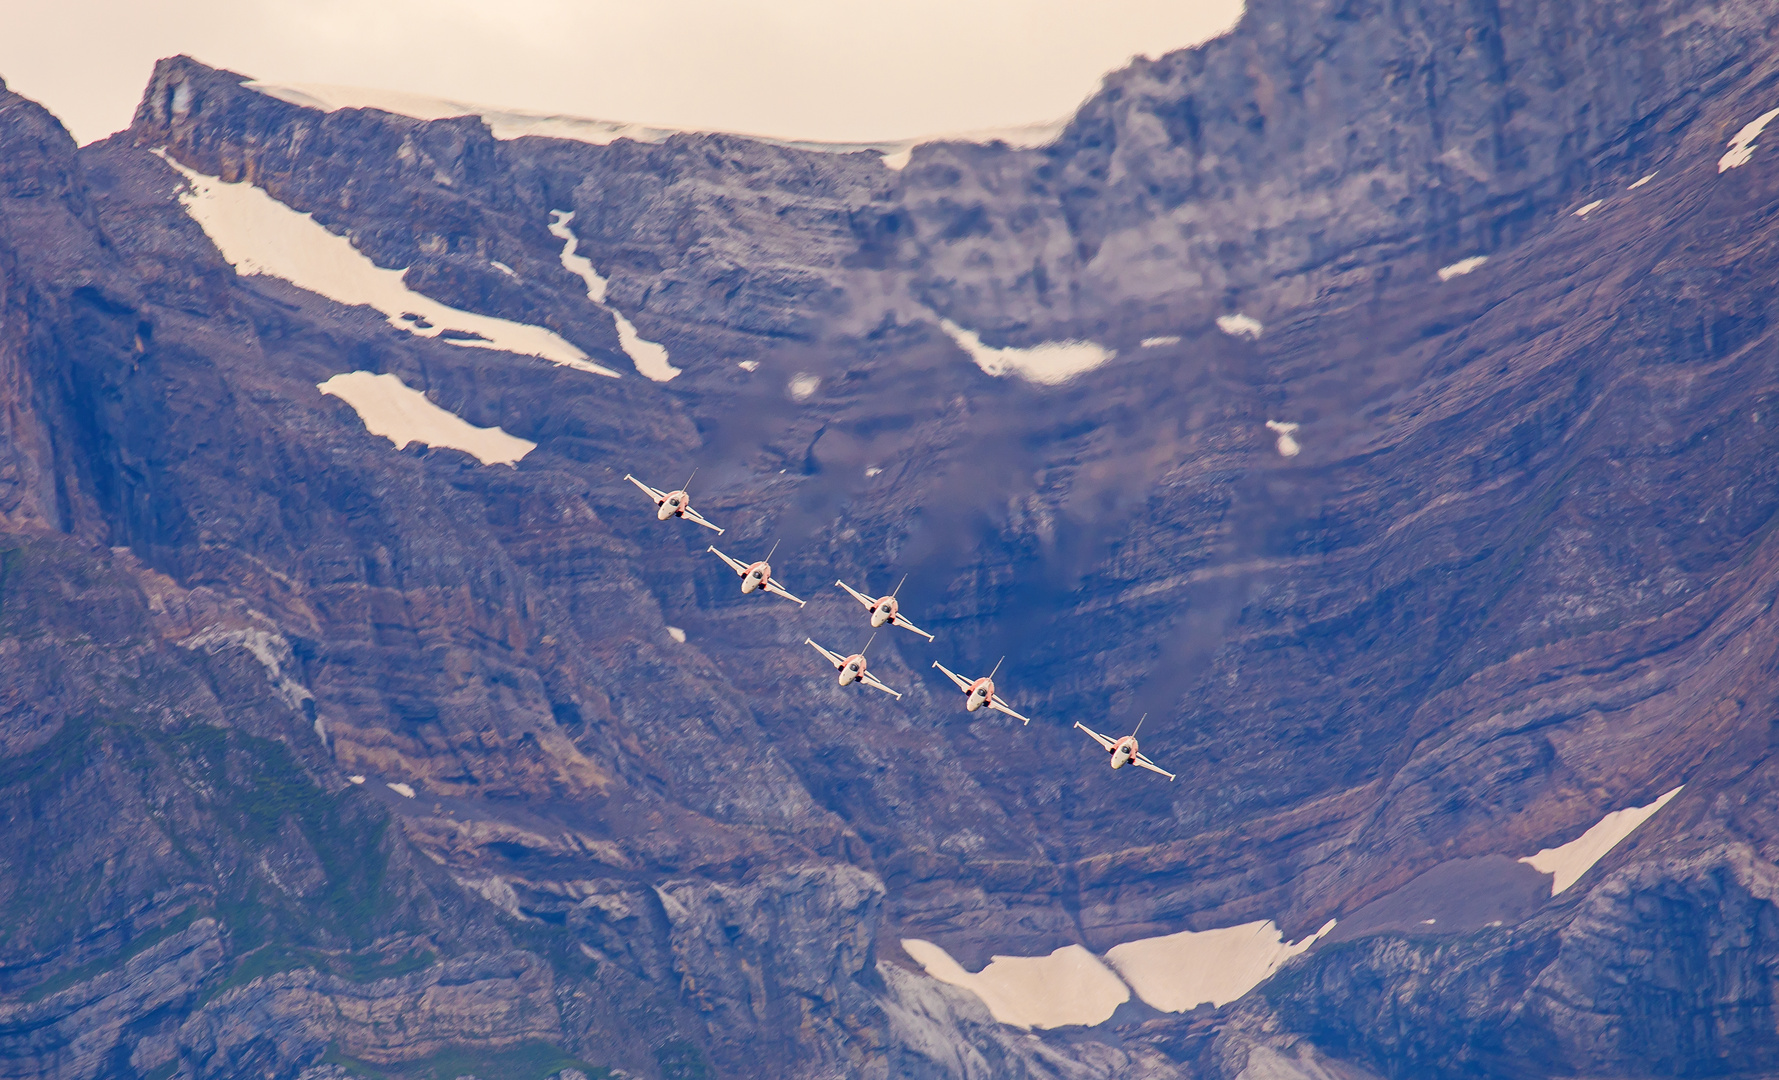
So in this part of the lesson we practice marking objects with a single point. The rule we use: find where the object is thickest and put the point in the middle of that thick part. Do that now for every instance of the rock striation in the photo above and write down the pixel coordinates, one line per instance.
(324, 757)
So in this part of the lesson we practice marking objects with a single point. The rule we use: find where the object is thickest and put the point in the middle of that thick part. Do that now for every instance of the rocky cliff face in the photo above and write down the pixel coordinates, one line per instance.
(327, 755)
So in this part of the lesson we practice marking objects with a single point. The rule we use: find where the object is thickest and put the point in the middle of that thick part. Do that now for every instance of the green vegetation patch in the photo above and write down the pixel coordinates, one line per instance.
(106, 963)
(530, 1060)
(683, 1061)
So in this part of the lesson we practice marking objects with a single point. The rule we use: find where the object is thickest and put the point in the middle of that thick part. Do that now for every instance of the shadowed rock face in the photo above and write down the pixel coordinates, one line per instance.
(1519, 575)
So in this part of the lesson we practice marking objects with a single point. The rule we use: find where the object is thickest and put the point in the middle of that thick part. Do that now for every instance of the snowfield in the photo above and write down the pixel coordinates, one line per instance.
(1049, 364)
(1070, 986)
(1239, 325)
(1461, 267)
(1287, 444)
(401, 414)
(1742, 147)
(1570, 861)
(1178, 972)
(257, 234)
(1173, 973)
(649, 357)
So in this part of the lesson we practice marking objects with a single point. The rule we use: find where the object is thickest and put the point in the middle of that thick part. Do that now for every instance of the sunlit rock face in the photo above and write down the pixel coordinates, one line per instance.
(359, 715)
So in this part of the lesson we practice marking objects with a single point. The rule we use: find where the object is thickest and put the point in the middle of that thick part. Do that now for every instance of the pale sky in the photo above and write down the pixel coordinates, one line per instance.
(835, 70)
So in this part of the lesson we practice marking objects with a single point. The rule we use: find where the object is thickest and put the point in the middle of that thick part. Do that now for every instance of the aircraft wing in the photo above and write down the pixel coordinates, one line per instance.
(1152, 767)
(906, 625)
(856, 594)
(694, 515)
(659, 496)
(878, 683)
(1105, 743)
(1000, 706)
(739, 568)
(776, 589)
(962, 683)
(833, 658)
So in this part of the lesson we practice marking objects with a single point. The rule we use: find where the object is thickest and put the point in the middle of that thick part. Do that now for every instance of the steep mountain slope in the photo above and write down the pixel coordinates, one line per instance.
(1515, 572)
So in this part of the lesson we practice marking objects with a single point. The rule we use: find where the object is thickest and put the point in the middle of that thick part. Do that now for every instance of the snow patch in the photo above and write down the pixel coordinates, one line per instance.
(649, 357)
(1178, 972)
(1461, 267)
(1742, 147)
(1049, 364)
(803, 386)
(873, 471)
(1645, 180)
(403, 790)
(749, 365)
(1570, 861)
(676, 634)
(1070, 986)
(257, 234)
(401, 414)
(268, 647)
(1590, 208)
(1161, 342)
(355, 779)
(1239, 325)
(1288, 445)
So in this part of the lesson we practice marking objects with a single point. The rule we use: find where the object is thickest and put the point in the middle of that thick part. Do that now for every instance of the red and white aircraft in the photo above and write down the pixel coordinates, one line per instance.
(673, 503)
(757, 576)
(852, 668)
(884, 609)
(1124, 751)
(981, 693)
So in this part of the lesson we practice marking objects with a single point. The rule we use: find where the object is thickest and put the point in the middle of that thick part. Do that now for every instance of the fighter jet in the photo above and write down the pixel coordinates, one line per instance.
(852, 668)
(673, 503)
(884, 608)
(757, 576)
(981, 693)
(1124, 751)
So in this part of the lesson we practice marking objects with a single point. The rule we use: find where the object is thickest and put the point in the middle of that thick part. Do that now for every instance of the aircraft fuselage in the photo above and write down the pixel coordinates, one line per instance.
(674, 505)
(980, 693)
(852, 669)
(884, 610)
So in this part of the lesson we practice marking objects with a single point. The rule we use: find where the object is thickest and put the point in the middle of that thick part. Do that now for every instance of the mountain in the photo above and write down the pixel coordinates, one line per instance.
(1377, 397)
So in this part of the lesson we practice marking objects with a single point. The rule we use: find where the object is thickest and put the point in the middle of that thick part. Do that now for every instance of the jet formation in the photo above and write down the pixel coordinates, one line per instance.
(853, 669)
